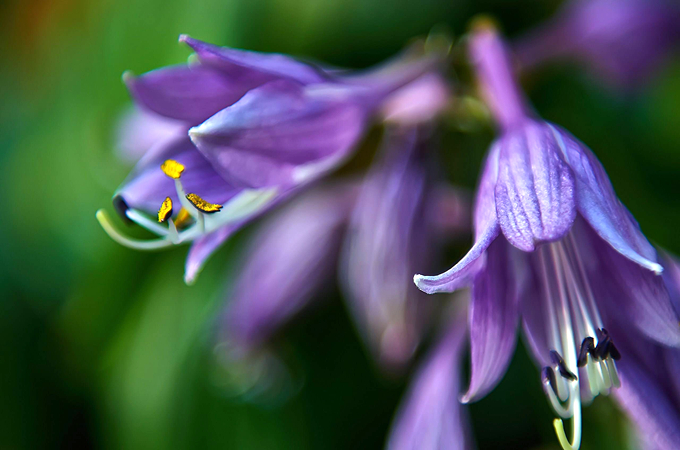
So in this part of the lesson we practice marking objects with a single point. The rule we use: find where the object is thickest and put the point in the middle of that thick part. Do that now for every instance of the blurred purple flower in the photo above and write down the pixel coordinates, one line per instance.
(547, 224)
(260, 127)
(623, 41)
(380, 226)
(430, 416)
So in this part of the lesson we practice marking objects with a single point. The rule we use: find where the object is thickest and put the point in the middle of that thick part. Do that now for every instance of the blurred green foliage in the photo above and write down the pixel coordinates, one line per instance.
(104, 347)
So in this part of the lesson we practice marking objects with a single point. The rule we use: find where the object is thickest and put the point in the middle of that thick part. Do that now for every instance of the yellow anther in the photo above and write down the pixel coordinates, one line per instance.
(172, 168)
(165, 211)
(183, 218)
(201, 204)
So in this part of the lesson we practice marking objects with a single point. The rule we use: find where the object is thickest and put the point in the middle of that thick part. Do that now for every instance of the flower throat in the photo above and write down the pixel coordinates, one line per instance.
(577, 338)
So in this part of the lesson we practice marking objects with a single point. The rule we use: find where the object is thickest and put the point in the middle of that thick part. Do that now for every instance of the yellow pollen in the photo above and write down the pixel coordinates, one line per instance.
(201, 204)
(183, 218)
(165, 211)
(172, 168)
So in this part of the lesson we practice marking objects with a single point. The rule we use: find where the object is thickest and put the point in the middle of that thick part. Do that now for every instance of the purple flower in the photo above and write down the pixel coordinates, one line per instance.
(431, 417)
(375, 228)
(548, 230)
(260, 128)
(623, 41)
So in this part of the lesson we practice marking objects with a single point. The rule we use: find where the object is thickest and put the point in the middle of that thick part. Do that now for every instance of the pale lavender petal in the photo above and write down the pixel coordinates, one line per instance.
(289, 260)
(244, 66)
(493, 320)
(649, 405)
(386, 243)
(188, 93)
(430, 416)
(486, 230)
(535, 188)
(597, 202)
(417, 102)
(281, 134)
(140, 130)
(147, 186)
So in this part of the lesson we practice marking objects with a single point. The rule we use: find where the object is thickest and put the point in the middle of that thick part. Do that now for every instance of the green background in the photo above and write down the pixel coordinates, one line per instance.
(101, 346)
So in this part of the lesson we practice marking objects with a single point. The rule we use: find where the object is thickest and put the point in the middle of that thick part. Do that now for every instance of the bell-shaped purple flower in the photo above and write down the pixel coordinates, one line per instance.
(387, 240)
(548, 228)
(260, 127)
(290, 260)
(622, 41)
(431, 417)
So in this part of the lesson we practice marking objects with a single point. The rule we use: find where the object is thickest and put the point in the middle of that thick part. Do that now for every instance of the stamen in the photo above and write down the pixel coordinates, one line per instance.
(203, 205)
(121, 208)
(165, 210)
(172, 168)
(548, 376)
(562, 366)
(587, 347)
(117, 236)
(183, 218)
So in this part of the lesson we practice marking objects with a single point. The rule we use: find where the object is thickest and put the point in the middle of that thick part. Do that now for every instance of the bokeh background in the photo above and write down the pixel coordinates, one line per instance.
(105, 347)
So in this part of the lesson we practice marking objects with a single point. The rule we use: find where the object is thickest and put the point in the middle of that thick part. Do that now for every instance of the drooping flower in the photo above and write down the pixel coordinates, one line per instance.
(373, 231)
(622, 41)
(260, 127)
(542, 200)
(431, 417)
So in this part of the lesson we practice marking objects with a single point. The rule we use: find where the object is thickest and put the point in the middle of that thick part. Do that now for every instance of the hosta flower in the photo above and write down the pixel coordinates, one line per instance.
(431, 417)
(543, 203)
(260, 127)
(372, 230)
(623, 41)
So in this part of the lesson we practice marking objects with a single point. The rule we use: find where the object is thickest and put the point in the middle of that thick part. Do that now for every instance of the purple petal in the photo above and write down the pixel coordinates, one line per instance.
(188, 93)
(281, 134)
(290, 259)
(242, 65)
(140, 130)
(493, 320)
(202, 248)
(535, 188)
(147, 186)
(621, 40)
(486, 230)
(385, 244)
(417, 102)
(635, 292)
(597, 202)
(649, 405)
(430, 416)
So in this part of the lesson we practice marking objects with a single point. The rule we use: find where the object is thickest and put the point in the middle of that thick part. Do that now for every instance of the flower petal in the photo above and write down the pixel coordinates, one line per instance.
(203, 247)
(638, 293)
(493, 320)
(430, 416)
(241, 65)
(140, 130)
(289, 260)
(147, 186)
(188, 93)
(535, 188)
(486, 230)
(648, 404)
(386, 242)
(597, 202)
(281, 134)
